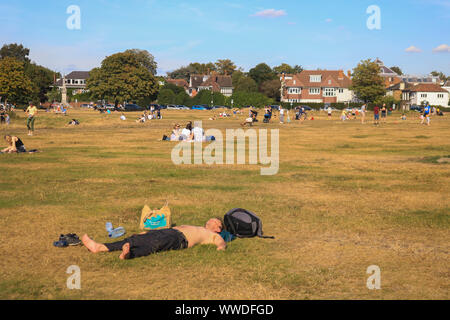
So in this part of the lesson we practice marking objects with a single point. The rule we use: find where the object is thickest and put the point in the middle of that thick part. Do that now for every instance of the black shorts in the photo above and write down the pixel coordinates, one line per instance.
(151, 242)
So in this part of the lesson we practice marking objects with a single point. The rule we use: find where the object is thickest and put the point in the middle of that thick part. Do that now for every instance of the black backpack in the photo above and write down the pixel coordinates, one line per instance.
(243, 224)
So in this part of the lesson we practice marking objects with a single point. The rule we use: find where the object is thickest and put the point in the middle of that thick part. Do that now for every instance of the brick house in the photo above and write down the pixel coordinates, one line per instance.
(214, 82)
(390, 77)
(180, 83)
(322, 86)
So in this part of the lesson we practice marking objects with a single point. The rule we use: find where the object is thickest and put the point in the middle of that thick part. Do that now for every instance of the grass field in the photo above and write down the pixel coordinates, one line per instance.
(346, 196)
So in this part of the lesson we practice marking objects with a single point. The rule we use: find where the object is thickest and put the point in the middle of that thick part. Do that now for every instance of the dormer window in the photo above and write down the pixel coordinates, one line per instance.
(315, 78)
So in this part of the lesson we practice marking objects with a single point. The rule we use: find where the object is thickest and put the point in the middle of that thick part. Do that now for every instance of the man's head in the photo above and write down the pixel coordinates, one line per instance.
(8, 138)
(214, 225)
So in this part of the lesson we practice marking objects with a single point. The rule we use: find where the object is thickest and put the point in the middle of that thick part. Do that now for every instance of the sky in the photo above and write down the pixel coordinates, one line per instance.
(325, 34)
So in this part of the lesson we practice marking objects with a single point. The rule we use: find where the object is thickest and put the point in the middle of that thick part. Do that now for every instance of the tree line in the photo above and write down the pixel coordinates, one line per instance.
(131, 76)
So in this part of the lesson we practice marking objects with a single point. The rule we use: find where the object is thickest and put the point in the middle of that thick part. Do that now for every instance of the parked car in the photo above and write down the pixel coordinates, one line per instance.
(307, 108)
(172, 107)
(198, 107)
(84, 105)
(416, 108)
(182, 107)
(275, 107)
(110, 107)
(132, 107)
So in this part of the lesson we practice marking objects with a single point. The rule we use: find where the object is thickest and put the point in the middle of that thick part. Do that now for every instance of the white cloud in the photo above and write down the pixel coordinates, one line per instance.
(413, 49)
(442, 48)
(270, 13)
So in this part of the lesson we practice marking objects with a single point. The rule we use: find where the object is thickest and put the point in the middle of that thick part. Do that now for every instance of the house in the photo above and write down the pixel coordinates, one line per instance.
(180, 83)
(425, 93)
(213, 82)
(320, 86)
(390, 77)
(75, 80)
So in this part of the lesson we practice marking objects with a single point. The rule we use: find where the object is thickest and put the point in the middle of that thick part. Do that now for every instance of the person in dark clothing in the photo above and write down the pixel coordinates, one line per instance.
(14, 145)
(176, 238)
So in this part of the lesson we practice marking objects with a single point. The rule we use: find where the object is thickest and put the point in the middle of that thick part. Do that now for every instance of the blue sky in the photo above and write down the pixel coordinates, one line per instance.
(327, 34)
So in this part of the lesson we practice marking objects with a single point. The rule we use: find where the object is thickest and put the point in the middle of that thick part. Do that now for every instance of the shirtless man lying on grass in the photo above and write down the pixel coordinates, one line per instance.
(153, 241)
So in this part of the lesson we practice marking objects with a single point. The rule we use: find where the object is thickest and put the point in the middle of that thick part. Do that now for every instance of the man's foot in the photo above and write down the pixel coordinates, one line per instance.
(93, 246)
(125, 252)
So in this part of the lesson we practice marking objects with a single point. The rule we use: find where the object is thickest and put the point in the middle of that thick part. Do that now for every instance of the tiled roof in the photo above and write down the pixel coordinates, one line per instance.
(178, 82)
(78, 75)
(427, 87)
(216, 81)
(330, 78)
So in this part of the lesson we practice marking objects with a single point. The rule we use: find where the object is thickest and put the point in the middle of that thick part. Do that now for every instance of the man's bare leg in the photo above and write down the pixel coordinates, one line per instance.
(93, 246)
(125, 252)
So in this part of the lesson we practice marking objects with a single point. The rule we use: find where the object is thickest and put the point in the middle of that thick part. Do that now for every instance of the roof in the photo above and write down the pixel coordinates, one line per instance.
(78, 75)
(330, 78)
(428, 87)
(216, 81)
(178, 82)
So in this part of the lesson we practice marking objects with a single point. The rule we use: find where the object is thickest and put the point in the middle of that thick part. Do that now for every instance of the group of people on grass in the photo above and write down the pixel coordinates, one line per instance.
(147, 116)
(189, 133)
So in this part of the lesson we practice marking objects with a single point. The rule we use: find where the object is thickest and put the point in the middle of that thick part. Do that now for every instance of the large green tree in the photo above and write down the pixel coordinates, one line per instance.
(271, 88)
(122, 77)
(367, 84)
(242, 82)
(42, 79)
(286, 68)
(225, 66)
(16, 51)
(15, 86)
(397, 70)
(441, 75)
(255, 99)
(262, 72)
(145, 58)
(166, 96)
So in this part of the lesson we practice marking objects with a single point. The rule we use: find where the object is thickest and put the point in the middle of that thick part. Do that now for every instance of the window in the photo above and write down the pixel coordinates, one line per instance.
(315, 78)
(294, 90)
(329, 92)
(341, 90)
(440, 95)
(314, 90)
(423, 95)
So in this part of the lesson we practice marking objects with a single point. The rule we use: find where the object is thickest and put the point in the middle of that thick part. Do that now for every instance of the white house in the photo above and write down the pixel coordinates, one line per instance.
(432, 94)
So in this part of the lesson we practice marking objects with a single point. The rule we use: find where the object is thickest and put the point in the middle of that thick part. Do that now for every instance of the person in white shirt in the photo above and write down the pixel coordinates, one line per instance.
(281, 114)
(186, 133)
(363, 113)
(198, 134)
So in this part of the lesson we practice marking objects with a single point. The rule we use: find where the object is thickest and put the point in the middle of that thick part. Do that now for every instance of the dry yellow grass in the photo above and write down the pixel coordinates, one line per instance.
(347, 196)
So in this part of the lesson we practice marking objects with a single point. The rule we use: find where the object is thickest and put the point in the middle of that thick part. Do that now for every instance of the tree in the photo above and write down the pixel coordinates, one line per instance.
(176, 89)
(367, 84)
(441, 75)
(271, 88)
(54, 95)
(16, 51)
(286, 68)
(15, 86)
(242, 82)
(225, 66)
(166, 96)
(255, 99)
(397, 70)
(41, 78)
(262, 72)
(122, 77)
(182, 73)
(145, 58)
(182, 98)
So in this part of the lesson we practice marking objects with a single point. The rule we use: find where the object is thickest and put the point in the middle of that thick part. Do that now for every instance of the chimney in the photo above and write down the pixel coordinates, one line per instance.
(349, 73)
(341, 75)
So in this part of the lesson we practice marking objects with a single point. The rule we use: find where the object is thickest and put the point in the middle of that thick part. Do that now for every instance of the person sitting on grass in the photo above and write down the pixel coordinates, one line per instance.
(14, 145)
(248, 121)
(149, 242)
(176, 133)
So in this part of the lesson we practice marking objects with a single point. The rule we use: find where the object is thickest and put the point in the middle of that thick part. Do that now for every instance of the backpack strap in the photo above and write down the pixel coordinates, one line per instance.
(267, 237)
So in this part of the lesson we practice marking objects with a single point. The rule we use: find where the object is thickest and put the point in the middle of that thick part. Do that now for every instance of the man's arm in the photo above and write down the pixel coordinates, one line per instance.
(219, 242)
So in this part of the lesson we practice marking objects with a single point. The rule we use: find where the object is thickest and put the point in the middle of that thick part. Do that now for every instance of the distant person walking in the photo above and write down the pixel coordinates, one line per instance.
(426, 114)
(376, 115)
(31, 112)
(282, 114)
(383, 113)
(363, 113)
(329, 112)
